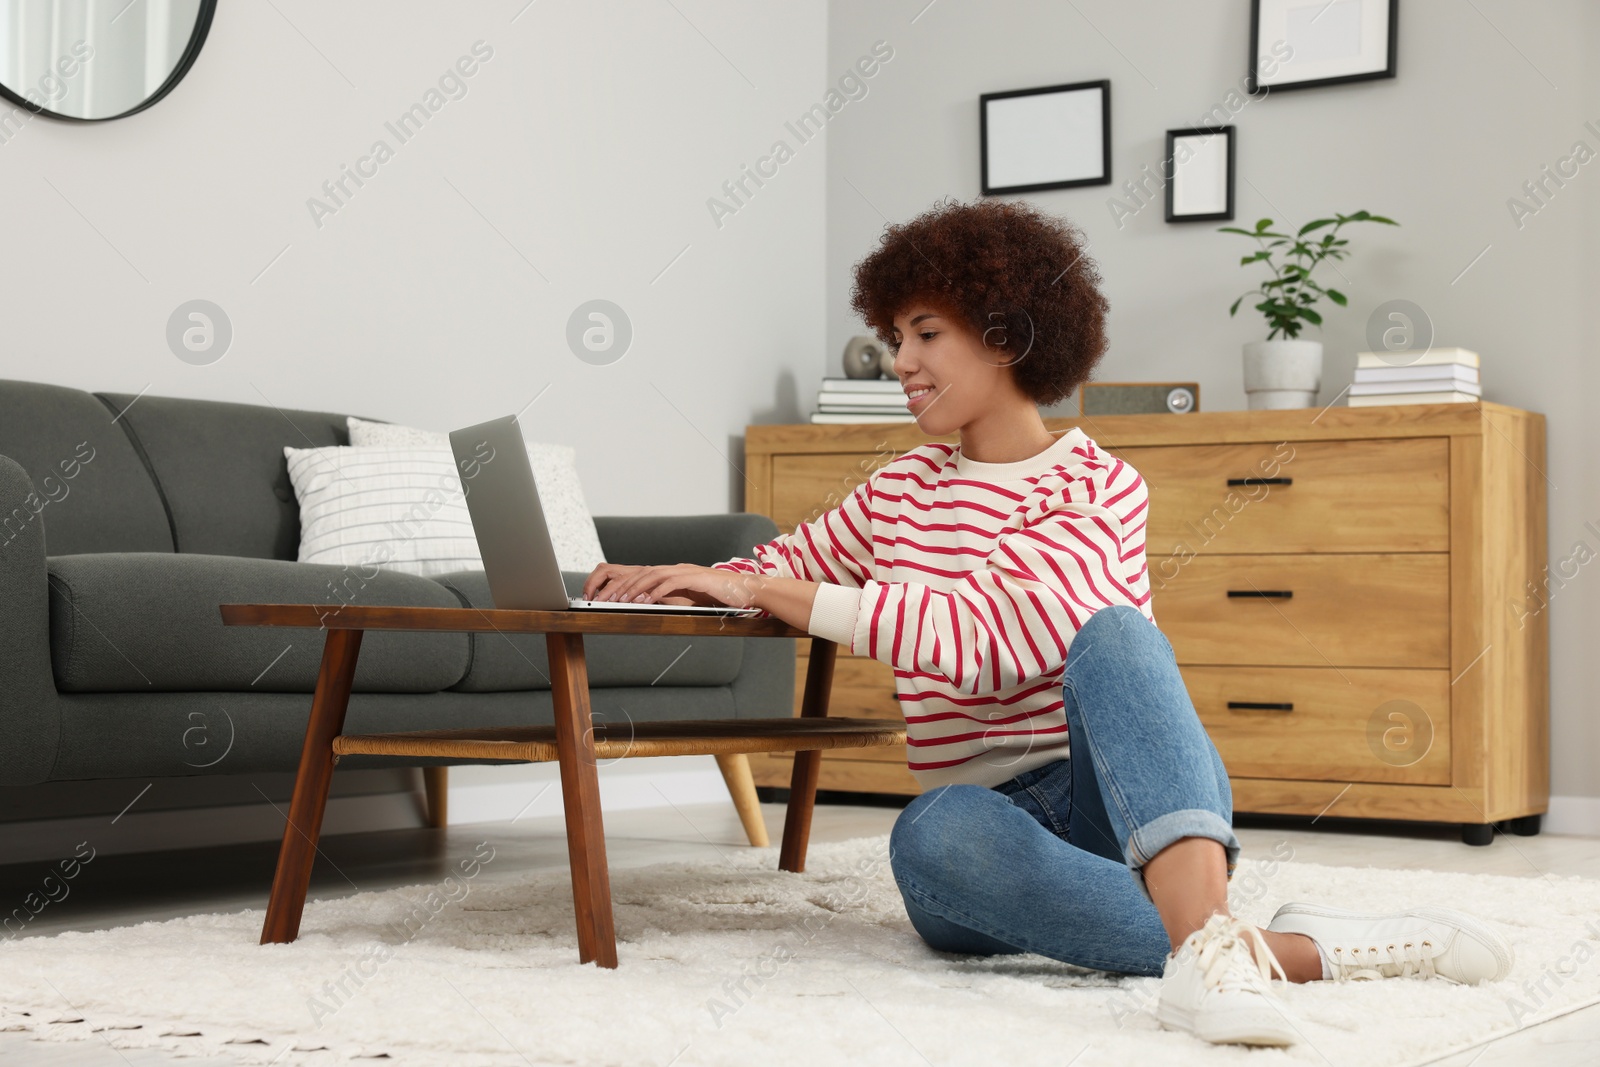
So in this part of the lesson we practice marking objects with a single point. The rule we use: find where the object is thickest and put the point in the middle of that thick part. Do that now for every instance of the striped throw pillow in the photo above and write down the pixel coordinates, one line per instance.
(398, 509)
(555, 472)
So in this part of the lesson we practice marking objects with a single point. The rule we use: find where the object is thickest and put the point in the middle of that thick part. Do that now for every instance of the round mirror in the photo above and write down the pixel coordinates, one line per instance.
(91, 60)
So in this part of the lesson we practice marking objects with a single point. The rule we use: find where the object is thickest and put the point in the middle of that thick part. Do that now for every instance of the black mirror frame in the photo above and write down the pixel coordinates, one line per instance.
(202, 27)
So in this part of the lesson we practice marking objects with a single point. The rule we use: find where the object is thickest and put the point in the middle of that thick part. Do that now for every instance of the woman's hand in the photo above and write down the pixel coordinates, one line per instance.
(678, 583)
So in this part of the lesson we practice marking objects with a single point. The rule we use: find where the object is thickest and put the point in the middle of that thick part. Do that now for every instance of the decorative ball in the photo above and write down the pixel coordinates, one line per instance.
(863, 357)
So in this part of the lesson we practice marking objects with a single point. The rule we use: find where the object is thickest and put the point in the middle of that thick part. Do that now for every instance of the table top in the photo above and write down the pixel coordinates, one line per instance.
(388, 617)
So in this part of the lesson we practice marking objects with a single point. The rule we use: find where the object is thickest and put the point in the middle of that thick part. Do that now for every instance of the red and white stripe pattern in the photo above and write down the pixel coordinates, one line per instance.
(970, 580)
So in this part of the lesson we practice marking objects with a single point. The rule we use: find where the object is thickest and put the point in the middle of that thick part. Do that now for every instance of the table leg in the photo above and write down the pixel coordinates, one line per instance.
(580, 796)
(299, 849)
(808, 764)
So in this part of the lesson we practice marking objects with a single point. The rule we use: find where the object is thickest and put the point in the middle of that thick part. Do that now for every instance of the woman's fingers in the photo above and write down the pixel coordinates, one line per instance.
(607, 578)
(664, 580)
(628, 586)
(648, 585)
(597, 579)
(678, 583)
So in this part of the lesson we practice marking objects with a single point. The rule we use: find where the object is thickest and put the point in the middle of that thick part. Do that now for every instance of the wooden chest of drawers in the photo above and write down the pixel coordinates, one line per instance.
(1353, 596)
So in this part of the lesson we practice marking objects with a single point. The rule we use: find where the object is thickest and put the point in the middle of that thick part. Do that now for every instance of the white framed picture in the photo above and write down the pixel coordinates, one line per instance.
(1054, 137)
(1298, 44)
(1199, 173)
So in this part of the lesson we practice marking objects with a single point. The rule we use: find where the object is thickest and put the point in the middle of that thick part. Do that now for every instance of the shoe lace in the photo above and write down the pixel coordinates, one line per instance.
(1232, 955)
(1405, 959)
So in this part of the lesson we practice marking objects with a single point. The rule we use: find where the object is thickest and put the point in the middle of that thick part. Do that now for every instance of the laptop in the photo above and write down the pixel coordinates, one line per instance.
(513, 538)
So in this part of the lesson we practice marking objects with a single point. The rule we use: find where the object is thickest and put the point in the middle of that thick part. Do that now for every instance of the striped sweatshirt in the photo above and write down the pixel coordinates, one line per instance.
(970, 579)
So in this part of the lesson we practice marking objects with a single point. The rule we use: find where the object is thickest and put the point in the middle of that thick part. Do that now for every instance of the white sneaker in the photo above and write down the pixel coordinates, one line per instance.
(1421, 943)
(1218, 990)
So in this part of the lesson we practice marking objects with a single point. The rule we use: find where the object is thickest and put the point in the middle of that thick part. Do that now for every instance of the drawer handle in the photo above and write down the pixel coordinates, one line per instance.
(1260, 481)
(1251, 705)
(1262, 594)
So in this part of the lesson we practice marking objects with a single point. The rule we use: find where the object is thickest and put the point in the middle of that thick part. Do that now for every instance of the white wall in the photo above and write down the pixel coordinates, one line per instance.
(590, 142)
(1487, 93)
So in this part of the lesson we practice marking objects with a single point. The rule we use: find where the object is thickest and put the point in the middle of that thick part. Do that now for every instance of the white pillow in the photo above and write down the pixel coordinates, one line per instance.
(400, 509)
(555, 472)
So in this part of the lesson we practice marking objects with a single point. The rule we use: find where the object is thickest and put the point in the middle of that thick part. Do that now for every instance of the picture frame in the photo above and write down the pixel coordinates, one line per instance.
(1298, 45)
(1199, 186)
(1052, 137)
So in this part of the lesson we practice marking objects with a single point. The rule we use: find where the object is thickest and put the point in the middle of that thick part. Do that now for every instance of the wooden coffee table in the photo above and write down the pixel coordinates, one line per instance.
(575, 741)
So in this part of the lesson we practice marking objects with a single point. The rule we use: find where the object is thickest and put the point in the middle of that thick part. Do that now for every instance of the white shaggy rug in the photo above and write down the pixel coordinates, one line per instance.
(739, 963)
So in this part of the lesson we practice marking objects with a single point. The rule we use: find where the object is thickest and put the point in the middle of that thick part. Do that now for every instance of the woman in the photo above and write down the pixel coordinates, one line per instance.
(1074, 805)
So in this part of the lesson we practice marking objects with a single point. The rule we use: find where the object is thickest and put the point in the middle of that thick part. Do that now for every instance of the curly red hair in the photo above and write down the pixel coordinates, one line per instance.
(1013, 274)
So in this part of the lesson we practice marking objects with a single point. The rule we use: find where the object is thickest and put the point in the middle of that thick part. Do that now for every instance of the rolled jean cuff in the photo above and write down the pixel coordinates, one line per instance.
(1148, 840)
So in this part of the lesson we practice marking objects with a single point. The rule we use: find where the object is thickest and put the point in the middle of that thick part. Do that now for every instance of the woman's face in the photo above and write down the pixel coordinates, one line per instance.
(968, 379)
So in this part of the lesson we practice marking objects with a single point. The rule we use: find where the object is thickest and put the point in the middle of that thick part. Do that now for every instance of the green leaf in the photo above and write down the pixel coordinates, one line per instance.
(1380, 218)
(1234, 229)
(1311, 316)
(1236, 304)
(1314, 224)
(1337, 297)
(1262, 224)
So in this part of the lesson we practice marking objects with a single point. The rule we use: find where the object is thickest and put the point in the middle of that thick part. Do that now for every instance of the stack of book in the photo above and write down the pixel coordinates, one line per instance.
(1437, 376)
(862, 400)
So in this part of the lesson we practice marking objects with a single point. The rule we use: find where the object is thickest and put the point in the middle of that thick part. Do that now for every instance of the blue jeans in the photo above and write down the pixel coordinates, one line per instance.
(1048, 861)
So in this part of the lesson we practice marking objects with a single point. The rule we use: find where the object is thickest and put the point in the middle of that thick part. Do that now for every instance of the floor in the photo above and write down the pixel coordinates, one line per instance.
(139, 888)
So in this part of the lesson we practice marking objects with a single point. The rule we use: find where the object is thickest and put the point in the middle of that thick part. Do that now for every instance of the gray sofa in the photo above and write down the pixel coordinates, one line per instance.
(125, 521)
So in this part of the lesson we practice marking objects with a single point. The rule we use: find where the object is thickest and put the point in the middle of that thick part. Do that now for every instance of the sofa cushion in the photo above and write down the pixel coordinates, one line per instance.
(503, 662)
(221, 468)
(148, 621)
(91, 490)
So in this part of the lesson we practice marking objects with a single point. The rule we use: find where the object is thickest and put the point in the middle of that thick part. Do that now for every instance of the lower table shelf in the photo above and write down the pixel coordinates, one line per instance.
(845, 771)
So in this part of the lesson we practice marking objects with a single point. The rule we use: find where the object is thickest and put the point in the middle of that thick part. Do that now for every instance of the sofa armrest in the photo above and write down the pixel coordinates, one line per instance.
(30, 718)
(653, 540)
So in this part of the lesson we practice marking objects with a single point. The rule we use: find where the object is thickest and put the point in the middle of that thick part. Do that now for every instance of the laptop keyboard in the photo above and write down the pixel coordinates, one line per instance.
(671, 609)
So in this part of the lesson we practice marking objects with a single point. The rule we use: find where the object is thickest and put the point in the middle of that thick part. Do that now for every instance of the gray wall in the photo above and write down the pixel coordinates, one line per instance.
(1487, 93)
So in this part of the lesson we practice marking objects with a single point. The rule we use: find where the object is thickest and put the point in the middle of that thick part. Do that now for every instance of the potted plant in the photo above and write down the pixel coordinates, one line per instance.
(1287, 372)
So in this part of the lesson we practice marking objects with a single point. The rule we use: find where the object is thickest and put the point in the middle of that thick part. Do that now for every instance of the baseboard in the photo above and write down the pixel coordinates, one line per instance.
(153, 831)
(534, 794)
(1579, 816)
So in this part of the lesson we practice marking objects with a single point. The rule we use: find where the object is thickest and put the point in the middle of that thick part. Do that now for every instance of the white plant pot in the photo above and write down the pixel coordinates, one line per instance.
(1282, 374)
